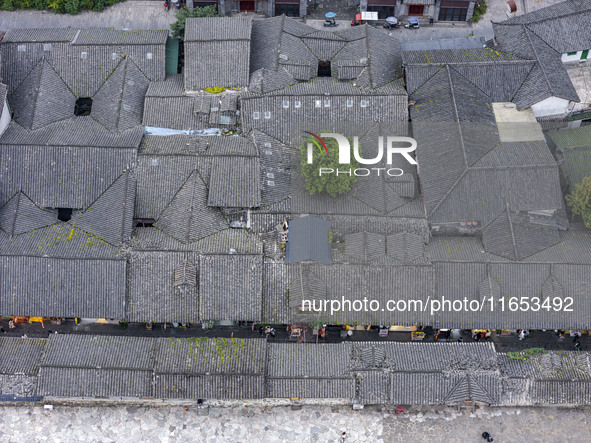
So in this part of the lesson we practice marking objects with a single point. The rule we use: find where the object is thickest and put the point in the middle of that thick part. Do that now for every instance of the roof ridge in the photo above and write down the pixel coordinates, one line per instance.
(453, 98)
(526, 29)
(565, 14)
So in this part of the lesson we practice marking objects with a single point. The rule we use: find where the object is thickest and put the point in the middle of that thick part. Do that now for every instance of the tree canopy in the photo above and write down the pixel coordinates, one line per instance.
(178, 27)
(580, 200)
(332, 184)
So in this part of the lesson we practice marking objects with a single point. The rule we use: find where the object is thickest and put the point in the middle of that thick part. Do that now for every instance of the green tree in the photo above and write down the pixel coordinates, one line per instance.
(178, 27)
(580, 200)
(332, 184)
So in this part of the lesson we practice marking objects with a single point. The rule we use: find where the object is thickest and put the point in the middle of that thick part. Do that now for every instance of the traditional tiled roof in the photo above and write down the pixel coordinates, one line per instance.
(234, 182)
(542, 36)
(97, 366)
(167, 106)
(473, 175)
(230, 287)
(563, 25)
(309, 371)
(153, 296)
(217, 52)
(549, 378)
(479, 281)
(187, 217)
(19, 368)
(514, 236)
(62, 287)
(383, 282)
(218, 368)
(284, 50)
(110, 216)
(20, 355)
(20, 215)
(284, 113)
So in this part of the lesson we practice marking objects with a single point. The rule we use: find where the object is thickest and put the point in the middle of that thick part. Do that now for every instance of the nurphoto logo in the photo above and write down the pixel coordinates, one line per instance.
(394, 145)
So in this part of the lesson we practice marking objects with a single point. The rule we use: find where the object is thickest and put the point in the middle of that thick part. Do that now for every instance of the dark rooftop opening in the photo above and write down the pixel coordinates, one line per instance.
(324, 68)
(64, 214)
(83, 106)
(143, 222)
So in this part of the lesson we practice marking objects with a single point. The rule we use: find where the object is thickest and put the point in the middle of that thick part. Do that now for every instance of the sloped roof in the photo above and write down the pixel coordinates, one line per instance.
(234, 182)
(21, 355)
(119, 103)
(563, 25)
(472, 175)
(62, 287)
(548, 77)
(217, 52)
(51, 176)
(42, 98)
(20, 215)
(513, 236)
(187, 217)
(110, 216)
(308, 240)
(97, 366)
(153, 297)
(230, 287)
(284, 49)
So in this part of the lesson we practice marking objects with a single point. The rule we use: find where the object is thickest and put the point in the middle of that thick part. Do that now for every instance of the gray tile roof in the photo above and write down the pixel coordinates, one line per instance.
(153, 296)
(110, 216)
(230, 287)
(383, 282)
(308, 240)
(235, 182)
(167, 106)
(187, 217)
(210, 368)
(51, 175)
(110, 36)
(21, 355)
(217, 52)
(475, 281)
(461, 181)
(548, 76)
(62, 287)
(119, 103)
(97, 366)
(513, 236)
(555, 24)
(552, 378)
(309, 371)
(284, 113)
(42, 98)
(20, 215)
(284, 49)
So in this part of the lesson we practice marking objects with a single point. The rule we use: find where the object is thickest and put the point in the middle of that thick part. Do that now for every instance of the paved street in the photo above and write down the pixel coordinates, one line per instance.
(284, 424)
(141, 14)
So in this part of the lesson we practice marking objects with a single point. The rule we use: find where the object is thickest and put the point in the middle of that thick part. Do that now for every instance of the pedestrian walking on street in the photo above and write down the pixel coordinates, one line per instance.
(343, 437)
(578, 346)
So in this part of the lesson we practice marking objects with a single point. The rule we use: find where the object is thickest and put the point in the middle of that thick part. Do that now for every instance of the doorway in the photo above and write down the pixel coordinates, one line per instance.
(246, 6)
(416, 10)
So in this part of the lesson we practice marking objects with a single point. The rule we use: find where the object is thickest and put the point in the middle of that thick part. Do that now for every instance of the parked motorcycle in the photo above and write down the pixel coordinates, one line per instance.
(392, 23)
(413, 23)
(177, 3)
(330, 19)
